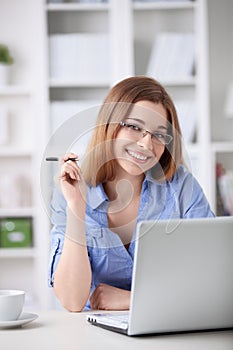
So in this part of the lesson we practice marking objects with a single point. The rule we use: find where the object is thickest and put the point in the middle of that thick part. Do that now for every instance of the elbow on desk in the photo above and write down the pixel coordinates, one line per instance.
(70, 303)
(72, 306)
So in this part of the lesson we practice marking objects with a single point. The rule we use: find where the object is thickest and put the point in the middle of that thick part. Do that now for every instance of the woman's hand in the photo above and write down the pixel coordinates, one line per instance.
(106, 297)
(72, 182)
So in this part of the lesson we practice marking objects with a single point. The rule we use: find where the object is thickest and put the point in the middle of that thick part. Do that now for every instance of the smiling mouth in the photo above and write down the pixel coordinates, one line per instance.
(137, 156)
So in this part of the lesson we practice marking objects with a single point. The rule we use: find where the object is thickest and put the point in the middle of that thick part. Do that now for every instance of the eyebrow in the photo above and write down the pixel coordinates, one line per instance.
(160, 127)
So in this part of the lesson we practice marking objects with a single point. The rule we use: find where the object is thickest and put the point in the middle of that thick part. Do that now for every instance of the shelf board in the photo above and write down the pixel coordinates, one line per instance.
(222, 147)
(189, 81)
(17, 212)
(77, 7)
(16, 253)
(164, 5)
(57, 83)
(15, 90)
(16, 152)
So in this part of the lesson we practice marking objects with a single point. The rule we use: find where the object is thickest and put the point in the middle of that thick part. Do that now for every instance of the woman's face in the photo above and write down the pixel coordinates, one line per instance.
(135, 149)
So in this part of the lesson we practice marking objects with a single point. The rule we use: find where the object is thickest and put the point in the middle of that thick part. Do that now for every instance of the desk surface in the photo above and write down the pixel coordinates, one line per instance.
(68, 331)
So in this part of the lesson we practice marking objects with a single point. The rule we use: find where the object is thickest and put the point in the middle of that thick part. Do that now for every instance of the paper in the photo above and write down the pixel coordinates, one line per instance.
(172, 57)
(82, 57)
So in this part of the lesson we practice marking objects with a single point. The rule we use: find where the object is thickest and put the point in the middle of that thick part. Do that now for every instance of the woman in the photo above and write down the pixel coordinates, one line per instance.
(132, 171)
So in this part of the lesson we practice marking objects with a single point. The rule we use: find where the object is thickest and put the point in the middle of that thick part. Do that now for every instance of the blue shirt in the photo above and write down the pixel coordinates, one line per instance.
(110, 262)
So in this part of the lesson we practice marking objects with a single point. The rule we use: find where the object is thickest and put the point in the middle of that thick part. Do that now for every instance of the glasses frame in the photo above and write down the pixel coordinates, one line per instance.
(154, 135)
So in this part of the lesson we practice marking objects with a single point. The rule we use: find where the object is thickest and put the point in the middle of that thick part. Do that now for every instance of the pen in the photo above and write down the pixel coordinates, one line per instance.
(56, 159)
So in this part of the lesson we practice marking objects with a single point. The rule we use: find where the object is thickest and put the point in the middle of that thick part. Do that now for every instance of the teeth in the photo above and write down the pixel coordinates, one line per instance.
(137, 156)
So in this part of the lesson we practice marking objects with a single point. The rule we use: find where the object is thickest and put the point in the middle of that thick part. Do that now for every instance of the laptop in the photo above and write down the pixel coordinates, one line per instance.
(182, 279)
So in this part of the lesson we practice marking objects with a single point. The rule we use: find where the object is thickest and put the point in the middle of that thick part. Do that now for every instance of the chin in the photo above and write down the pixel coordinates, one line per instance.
(135, 169)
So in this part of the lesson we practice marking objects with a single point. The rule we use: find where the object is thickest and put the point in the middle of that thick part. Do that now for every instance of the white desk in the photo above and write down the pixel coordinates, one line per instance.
(56, 330)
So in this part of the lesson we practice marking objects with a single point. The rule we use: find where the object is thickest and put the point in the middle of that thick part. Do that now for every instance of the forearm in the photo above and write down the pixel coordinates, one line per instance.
(72, 278)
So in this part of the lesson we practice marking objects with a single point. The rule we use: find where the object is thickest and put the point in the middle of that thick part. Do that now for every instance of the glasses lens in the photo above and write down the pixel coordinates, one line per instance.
(138, 132)
(159, 138)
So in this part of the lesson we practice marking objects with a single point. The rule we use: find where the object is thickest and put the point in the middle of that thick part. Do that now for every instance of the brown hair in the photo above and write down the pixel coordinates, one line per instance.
(99, 165)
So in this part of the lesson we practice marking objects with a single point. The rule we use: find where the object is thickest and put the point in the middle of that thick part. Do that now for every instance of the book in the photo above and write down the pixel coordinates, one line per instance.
(62, 111)
(80, 57)
(151, 1)
(172, 57)
(225, 189)
(187, 116)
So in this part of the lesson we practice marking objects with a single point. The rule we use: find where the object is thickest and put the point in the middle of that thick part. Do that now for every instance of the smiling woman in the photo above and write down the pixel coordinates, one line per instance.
(140, 96)
(142, 147)
(132, 171)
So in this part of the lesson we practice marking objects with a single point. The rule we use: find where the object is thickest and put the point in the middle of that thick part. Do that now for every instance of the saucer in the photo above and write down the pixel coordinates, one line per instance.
(24, 318)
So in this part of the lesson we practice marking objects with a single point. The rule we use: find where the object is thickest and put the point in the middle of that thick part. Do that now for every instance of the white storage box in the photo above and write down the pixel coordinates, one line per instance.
(82, 57)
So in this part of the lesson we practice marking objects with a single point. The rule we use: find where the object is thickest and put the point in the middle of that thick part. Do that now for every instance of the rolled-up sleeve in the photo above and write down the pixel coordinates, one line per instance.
(58, 220)
(192, 198)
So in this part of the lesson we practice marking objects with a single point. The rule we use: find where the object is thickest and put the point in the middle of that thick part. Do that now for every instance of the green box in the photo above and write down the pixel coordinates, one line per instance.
(16, 232)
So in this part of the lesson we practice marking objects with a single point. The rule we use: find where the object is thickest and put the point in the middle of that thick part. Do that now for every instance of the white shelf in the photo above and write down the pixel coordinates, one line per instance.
(15, 90)
(77, 7)
(189, 81)
(164, 5)
(57, 83)
(17, 253)
(15, 152)
(222, 147)
(17, 212)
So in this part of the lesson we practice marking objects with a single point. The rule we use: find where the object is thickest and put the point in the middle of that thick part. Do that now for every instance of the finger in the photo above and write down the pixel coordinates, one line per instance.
(68, 177)
(73, 166)
(93, 302)
(72, 172)
(94, 299)
(70, 155)
(98, 297)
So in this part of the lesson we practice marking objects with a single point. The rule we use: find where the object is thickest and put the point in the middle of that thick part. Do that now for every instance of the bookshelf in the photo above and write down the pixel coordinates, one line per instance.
(220, 80)
(23, 100)
(131, 27)
(75, 25)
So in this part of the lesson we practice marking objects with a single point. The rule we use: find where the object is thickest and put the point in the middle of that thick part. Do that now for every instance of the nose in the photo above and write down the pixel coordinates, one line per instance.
(145, 141)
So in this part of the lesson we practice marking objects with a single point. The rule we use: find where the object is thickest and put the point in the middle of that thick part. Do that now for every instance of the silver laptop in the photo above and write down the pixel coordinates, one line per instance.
(182, 278)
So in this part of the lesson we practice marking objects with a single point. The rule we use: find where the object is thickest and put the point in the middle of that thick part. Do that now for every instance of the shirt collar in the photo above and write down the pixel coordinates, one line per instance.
(96, 196)
(149, 178)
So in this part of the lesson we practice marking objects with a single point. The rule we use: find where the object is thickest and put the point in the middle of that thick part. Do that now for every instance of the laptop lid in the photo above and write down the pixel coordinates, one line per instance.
(182, 276)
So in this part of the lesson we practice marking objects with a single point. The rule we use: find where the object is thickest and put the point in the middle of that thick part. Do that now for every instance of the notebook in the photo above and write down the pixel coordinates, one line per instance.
(182, 278)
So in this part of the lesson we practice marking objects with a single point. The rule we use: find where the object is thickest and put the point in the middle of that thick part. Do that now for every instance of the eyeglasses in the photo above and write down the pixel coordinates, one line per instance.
(137, 132)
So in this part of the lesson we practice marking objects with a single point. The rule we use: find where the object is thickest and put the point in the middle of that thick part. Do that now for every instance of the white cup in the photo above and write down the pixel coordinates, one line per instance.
(11, 304)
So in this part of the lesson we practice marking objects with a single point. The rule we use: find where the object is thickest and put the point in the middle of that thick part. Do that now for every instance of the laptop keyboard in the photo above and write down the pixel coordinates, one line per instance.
(114, 320)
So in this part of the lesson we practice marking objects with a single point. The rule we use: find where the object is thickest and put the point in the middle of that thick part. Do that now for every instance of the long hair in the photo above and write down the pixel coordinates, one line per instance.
(99, 165)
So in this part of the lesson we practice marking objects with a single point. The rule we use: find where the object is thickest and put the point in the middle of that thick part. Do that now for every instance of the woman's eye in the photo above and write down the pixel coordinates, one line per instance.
(134, 127)
(158, 135)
